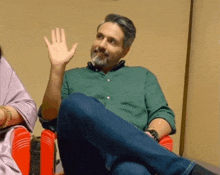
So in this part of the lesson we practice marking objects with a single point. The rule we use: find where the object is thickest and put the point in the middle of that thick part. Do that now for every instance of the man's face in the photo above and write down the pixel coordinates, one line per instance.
(107, 48)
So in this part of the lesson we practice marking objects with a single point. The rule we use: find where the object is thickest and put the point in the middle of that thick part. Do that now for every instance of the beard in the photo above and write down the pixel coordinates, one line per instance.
(99, 61)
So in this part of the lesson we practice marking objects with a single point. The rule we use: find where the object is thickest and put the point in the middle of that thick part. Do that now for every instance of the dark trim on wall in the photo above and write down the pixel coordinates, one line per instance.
(185, 93)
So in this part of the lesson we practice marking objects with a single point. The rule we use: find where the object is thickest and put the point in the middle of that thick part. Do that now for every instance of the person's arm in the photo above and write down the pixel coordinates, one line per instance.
(16, 117)
(161, 126)
(59, 58)
(52, 96)
(161, 117)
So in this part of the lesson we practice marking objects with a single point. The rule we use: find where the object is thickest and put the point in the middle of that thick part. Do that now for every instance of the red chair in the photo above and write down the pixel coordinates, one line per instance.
(167, 142)
(47, 150)
(21, 149)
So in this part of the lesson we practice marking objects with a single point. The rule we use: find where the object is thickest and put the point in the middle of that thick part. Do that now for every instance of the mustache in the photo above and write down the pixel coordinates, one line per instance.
(98, 49)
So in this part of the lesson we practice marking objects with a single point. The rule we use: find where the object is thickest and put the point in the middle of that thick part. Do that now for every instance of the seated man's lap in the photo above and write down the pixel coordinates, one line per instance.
(77, 153)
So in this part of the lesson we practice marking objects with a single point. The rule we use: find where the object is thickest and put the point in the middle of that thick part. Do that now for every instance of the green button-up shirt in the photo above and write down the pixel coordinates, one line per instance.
(132, 93)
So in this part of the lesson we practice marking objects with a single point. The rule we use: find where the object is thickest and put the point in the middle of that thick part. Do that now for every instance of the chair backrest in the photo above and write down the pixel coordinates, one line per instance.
(21, 149)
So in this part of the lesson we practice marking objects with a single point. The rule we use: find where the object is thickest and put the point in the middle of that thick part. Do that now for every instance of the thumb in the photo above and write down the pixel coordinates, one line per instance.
(47, 41)
(73, 49)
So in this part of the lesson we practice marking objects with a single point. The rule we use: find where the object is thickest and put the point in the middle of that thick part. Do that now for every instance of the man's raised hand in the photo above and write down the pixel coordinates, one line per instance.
(58, 51)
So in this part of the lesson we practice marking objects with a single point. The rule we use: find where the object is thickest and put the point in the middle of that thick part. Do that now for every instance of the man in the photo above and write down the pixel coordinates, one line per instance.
(108, 116)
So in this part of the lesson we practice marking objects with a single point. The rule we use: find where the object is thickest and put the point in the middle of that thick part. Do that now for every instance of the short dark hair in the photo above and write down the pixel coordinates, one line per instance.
(125, 24)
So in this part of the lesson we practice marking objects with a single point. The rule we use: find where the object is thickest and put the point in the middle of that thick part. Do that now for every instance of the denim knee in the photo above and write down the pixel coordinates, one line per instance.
(76, 103)
(70, 108)
(76, 107)
(130, 168)
(73, 100)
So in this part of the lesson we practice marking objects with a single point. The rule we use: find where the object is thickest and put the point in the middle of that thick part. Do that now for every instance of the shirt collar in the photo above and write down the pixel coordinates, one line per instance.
(94, 68)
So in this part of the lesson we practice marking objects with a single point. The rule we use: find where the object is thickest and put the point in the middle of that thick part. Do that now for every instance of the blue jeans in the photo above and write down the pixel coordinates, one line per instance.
(93, 140)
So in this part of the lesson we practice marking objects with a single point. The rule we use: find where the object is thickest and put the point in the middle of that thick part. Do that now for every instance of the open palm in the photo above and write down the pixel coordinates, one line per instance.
(59, 54)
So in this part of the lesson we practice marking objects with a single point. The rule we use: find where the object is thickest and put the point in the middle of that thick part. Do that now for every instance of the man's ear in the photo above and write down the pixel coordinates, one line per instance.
(125, 51)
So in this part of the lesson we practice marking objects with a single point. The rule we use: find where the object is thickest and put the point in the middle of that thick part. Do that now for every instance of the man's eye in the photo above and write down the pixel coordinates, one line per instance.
(99, 36)
(112, 41)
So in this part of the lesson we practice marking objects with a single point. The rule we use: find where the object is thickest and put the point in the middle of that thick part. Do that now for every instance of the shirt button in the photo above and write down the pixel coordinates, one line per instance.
(108, 97)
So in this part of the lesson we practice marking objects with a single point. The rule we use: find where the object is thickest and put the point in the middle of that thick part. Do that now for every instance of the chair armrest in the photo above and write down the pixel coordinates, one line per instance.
(47, 155)
(167, 142)
(21, 149)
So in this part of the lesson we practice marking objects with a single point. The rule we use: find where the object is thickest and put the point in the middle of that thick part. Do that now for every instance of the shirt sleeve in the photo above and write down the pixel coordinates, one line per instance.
(19, 98)
(47, 124)
(156, 103)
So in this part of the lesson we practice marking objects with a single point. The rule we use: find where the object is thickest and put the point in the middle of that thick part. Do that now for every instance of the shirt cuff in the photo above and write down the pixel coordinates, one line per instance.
(47, 124)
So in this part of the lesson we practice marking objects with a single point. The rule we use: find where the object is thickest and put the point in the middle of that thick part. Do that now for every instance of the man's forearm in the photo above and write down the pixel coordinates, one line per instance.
(161, 126)
(52, 96)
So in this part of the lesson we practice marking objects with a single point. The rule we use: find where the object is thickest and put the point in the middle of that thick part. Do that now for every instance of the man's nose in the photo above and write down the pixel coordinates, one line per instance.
(103, 44)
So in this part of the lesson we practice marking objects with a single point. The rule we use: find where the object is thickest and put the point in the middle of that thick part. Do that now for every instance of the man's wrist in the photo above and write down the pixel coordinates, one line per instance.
(59, 68)
(154, 134)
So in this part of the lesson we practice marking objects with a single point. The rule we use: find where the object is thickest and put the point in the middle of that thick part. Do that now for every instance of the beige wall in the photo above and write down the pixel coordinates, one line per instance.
(161, 43)
(202, 137)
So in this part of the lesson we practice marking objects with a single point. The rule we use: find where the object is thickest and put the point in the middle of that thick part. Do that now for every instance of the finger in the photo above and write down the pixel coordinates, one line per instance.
(58, 34)
(53, 36)
(63, 36)
(73, 49)
(47, 41)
